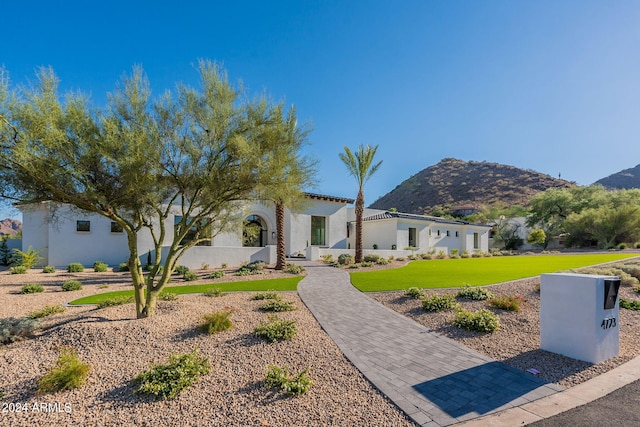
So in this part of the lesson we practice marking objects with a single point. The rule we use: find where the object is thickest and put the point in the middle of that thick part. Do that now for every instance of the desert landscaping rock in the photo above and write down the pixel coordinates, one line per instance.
(118, 347)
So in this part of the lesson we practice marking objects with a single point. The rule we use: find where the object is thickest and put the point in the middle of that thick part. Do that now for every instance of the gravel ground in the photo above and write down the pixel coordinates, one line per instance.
(517, 341)
(118, 348)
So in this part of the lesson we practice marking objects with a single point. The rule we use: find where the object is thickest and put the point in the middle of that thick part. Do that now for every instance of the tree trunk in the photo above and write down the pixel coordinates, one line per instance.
(281, 251)
(359, 215)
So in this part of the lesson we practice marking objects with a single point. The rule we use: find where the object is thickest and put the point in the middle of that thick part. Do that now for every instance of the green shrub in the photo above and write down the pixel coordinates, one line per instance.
(637, 245)
(26, 259)
(18, 269)
(278, 377)
(623, 246)
(181, 269)
(75, 267)
(294, 269)
(629, 305)
(214, 292)
(413, 292)
(190, 276)
(48, 269)
(167, 296)
(216, 274)
(32, 288)
(438, 302)
(481, 321)
(465, 254)
(71, 285)
(216, 322)
(441, 255)
(328, 259)
(278, 305)
(509, 302)
(400, 259)
(270, 294)
(15, 329)
(276, 329)
(48, 310)
(255, 267)
(382, 261)
(103, 286)
(120, 300)
(354, 266)
(68, 373)
(371, 258)
(474, 293)
(123, 266)
(345, 259)
(167, 381)
(204, 266)
(100, 267)
(365, 264)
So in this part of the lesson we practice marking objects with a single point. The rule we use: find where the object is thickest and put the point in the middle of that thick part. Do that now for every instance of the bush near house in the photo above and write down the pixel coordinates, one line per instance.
(100, 267)
(48, 269)
(480, 321)
(48, 310)
(68, 373)
(71, 285)
(279, 377)
(276, 329)
(216, 322)
(75, 267)
(474, 293)
(345, 259)
(15, 329)
(32, 288)
(413, 292)
(438, 302)
(18, 269)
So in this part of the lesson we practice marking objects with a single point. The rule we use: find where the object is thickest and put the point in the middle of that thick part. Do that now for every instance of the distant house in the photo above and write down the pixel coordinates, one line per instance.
(461, 211)
(325, 226)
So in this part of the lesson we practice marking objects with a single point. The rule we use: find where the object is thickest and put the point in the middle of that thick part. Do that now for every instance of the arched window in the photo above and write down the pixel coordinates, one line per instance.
(254, 231)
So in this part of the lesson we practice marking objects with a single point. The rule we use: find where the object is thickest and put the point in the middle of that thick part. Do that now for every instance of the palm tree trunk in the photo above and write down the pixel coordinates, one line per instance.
(281, 252)
(359, 215)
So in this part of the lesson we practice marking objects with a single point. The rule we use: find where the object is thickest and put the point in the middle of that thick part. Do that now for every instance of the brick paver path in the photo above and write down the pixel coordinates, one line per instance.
(433, 379)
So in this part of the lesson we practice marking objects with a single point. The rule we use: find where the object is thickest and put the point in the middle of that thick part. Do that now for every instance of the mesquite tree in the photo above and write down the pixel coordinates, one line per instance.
(194, 153)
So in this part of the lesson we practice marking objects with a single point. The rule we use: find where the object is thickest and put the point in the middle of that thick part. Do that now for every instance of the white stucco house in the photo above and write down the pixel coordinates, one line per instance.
(326, 226)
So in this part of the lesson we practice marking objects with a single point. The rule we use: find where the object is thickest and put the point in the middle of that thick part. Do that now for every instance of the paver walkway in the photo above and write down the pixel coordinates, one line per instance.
(433, 379)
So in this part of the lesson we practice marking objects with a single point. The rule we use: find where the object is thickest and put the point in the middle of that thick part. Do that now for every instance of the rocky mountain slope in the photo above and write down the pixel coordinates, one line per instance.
(628, 178)
(10, 226)
(453, 182)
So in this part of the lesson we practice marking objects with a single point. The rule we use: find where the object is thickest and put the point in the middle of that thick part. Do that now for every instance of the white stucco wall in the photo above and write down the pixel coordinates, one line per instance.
(298, 225)
(35, 229)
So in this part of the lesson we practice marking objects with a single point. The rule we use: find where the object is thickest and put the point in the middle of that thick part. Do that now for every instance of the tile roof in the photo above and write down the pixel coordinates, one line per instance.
(401, 215)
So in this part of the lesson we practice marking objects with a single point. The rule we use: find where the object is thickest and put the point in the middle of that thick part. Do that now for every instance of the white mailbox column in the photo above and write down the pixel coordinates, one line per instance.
(573, 319)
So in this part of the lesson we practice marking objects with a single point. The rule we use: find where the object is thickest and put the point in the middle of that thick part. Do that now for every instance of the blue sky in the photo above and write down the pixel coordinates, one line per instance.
(543, 85)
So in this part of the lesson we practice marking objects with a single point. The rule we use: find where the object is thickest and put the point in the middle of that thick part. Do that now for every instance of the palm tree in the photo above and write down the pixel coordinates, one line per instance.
(361, 166)
(291, 171)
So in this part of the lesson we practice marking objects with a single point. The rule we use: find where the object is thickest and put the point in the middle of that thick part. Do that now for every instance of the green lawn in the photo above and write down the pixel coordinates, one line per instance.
(449, 273)
(288, 284)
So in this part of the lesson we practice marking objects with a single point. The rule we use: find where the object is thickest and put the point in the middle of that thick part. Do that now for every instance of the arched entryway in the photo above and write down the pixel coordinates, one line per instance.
(254, 231)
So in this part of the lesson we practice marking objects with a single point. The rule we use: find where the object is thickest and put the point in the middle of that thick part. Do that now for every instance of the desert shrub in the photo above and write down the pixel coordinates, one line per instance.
(629, 305)
(465, 254)
(223, 265)
(481, 321)
(278, 305)
(293, 268)
(181, 269)
(425, 256)
(112, 302)
(103, 286)
(216, 322)
(474, 293)
(68, 373)
(255, 267)
(100, 267)
(204, 266)
(190, 276)
(345, 259)
(167, 296)
(18, 269)
(216, 274)
(15, 329)
(75, 267)
(71, 285)
(625, 278)
(328, 259)
(279, 377)
(354, 266)
(412, 257)
(270, 294)
(26, 259)
(454, 254)
(214, 292)
(167, 381)
(631, 269)
(365, 264)
(371, 258)
(48, 269)
(276, 329)
(637, 245)
(623, 246)
(438, 302)
(441, 255)
(413, 292)
(48, 310)
(382, 261)
(32, 288)
(476, 255)
(400, 258)
(509, 302)
(123, 266)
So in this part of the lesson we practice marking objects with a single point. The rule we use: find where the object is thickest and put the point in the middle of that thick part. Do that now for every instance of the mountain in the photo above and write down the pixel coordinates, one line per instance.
(628, 178)
(457, 183)
(10, 226)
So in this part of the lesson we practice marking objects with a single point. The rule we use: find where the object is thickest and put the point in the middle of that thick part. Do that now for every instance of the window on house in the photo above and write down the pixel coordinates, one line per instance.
(438, 233)
(457, 234)
(84, 226)
(115, 227)
(476, 241)
(318, 230)
(429, 232)
(201, 228)
(448, 233)
(254, 232)
(412, 238)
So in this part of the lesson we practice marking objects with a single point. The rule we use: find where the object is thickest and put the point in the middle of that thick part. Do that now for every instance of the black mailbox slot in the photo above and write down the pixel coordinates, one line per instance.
(611, 287)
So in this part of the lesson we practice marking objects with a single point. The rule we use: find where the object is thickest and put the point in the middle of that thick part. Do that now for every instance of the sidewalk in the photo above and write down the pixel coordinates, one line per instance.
(434, 380)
